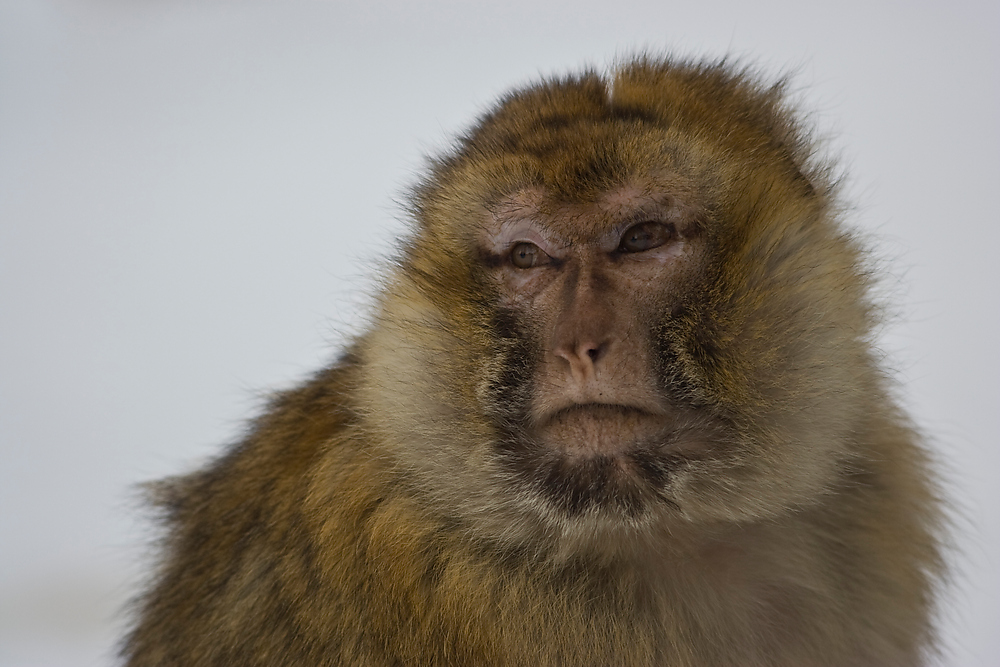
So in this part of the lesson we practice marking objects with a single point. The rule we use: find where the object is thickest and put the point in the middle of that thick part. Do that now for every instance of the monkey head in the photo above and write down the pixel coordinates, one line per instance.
(625, 303)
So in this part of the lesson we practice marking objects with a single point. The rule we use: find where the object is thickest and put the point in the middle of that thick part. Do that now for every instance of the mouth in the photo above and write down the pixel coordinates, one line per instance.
(595, 456)
(590, 430)
(617, 458)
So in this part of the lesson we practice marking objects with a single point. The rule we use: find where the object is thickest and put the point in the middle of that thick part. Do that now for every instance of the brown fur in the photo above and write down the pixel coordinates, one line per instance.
(369, 518)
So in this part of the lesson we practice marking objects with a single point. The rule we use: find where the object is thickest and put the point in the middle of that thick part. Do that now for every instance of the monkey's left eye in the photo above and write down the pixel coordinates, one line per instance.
(645, 236)
(527, 255)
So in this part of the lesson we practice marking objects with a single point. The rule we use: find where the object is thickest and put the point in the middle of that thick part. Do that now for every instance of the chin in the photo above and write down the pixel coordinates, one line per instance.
(595, 459)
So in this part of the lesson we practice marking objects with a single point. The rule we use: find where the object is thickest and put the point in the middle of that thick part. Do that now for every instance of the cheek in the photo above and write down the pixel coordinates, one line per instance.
(509, 365)
(678, 371)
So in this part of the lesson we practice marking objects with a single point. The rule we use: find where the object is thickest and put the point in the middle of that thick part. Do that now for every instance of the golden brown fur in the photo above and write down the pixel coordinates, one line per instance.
(373, 516)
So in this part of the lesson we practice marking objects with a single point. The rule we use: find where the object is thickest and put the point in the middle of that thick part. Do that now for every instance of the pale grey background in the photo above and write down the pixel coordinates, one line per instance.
(192, 192)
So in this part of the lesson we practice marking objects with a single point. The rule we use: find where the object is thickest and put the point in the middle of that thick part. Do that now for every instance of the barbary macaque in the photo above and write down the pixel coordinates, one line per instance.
(618, 404)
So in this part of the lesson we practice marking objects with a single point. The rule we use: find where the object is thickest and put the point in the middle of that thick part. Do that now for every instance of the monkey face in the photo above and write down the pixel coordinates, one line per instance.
(624, 303)
(586, 286)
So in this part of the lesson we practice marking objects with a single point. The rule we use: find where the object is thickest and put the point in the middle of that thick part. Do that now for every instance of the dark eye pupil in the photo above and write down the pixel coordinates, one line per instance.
(524, 255)
(640, 238)
(644, 236)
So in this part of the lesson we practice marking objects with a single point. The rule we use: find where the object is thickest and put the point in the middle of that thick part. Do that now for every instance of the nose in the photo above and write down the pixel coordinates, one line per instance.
(583, 333)
(582, 354)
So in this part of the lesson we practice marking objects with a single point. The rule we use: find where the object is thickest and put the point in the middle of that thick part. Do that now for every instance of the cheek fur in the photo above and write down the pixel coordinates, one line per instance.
(508, 368)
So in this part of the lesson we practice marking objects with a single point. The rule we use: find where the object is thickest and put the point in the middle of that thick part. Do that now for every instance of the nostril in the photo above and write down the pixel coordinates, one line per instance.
(593, 352)
(581, 355)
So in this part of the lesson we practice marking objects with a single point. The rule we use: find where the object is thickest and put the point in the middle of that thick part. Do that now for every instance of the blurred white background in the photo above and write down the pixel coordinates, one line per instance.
(191, 194)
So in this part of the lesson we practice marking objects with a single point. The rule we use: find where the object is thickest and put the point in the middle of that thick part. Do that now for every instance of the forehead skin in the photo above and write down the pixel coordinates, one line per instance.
(534, 215)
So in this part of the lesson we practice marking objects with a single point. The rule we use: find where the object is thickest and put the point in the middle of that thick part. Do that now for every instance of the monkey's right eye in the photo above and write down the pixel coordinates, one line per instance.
(527, 255)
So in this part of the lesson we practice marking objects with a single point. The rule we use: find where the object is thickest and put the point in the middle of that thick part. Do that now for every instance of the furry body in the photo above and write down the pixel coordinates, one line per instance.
(398, 509)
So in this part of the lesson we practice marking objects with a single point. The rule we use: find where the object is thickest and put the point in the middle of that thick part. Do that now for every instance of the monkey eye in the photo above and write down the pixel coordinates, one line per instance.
(526, 255)
(645, 236)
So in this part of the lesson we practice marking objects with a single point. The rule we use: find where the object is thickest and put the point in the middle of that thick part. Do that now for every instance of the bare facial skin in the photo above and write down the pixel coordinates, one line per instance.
(591, 278)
